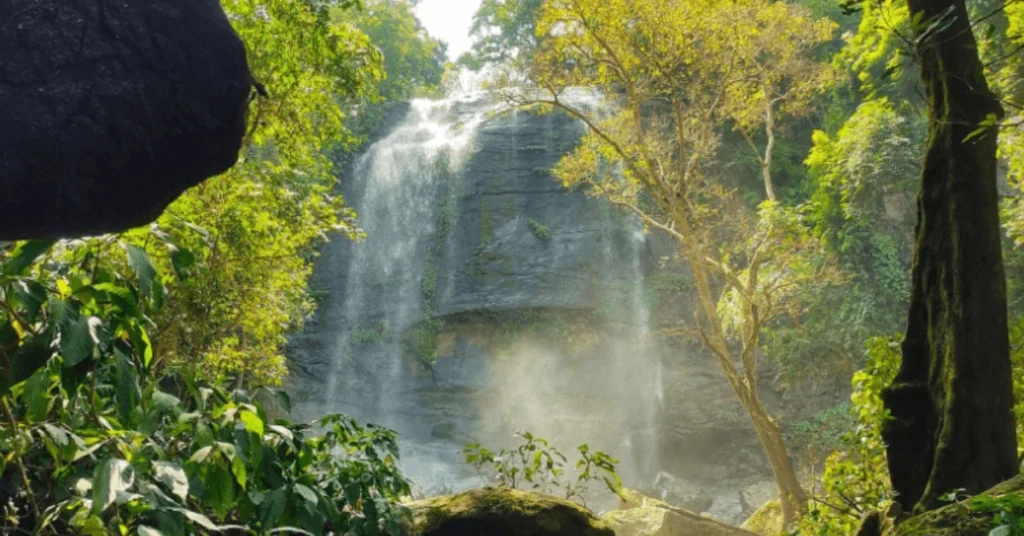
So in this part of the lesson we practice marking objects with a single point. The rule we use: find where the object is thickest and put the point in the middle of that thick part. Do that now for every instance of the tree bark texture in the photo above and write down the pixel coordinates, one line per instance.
(952, 400)
(791, 493)
(744, 385)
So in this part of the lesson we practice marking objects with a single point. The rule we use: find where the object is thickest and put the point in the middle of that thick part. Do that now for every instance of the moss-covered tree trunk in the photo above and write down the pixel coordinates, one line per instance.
(952, 399)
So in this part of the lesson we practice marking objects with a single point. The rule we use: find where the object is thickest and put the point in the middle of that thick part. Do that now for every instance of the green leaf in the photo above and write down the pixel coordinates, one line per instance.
(25, 255)
(252, 421)
(32, 295)
(127, 393)
(182, 260)
(111, 476)
(143, 346)
(62, 313)
(140, 262)
(220, 490)
(197, 518)
(307, 494)
(272, 507)
(238, 469)
(166, 402)
(173, 477)
(353, 492)
(78, 340)
(59, 436)
(149, 531)
(204, 436)
(37, 394)
(282, 431)
(121, 297)
(201, 455)
(1005, 530)
(170, 522)
(283, 399)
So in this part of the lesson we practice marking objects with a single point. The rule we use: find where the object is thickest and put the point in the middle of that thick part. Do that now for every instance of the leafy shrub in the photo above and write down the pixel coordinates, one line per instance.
(541, 231)
(421, 341)
(541, 466)
(1007, 510)
(96, 440)
(823, 433)
(369, 335)
(856, 477)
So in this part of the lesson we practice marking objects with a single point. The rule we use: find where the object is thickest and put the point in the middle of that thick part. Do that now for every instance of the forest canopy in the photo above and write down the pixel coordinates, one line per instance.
(777, 145)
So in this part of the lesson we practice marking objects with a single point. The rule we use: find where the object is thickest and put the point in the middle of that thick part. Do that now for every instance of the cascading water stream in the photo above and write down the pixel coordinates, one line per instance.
(398, 212)
(413, 190)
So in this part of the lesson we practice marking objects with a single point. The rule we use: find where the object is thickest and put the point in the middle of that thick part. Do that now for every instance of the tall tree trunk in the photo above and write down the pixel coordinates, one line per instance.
(791, 493)
(952, 399)
(769, 150)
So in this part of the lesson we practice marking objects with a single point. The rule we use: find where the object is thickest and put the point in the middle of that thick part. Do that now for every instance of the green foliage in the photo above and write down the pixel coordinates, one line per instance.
(856, 478)
(666, 294)
(503, 30)
(414, 62)
(428, 287)
(873, 159)
(413, 65)
(878, 56)
(252, 231)
(541, 231)
(97, 440)
(823, 433)
(1007, 510)
(539, 465)
(422, 340)
(369, 335)
(864, 178)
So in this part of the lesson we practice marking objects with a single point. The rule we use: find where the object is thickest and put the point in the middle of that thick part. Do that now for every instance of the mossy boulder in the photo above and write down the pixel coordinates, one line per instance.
(503, 512)
(767, 520)
(639, 515)
(956, 519)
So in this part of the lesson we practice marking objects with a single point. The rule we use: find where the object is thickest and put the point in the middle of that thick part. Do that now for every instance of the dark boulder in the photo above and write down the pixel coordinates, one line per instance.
(110, 109)
(503, 512)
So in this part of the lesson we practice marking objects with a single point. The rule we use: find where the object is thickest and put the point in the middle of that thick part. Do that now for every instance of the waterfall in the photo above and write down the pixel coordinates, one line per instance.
(403, 181)
(441, 243)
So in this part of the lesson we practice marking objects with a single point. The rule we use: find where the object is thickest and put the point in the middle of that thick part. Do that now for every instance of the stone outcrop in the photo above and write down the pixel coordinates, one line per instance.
(767, 520)
(642, 516)
(110, 109)
(503, 512)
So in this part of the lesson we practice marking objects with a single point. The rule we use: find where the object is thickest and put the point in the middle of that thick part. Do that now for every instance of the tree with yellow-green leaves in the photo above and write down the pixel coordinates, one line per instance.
(254, 228)
(674, 76)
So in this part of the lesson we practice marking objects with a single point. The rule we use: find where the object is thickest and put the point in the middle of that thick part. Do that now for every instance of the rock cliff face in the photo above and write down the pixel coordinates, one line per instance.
(487, 299)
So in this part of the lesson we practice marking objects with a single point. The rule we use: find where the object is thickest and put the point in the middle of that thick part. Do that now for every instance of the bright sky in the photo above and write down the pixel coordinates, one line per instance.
(449, 21)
